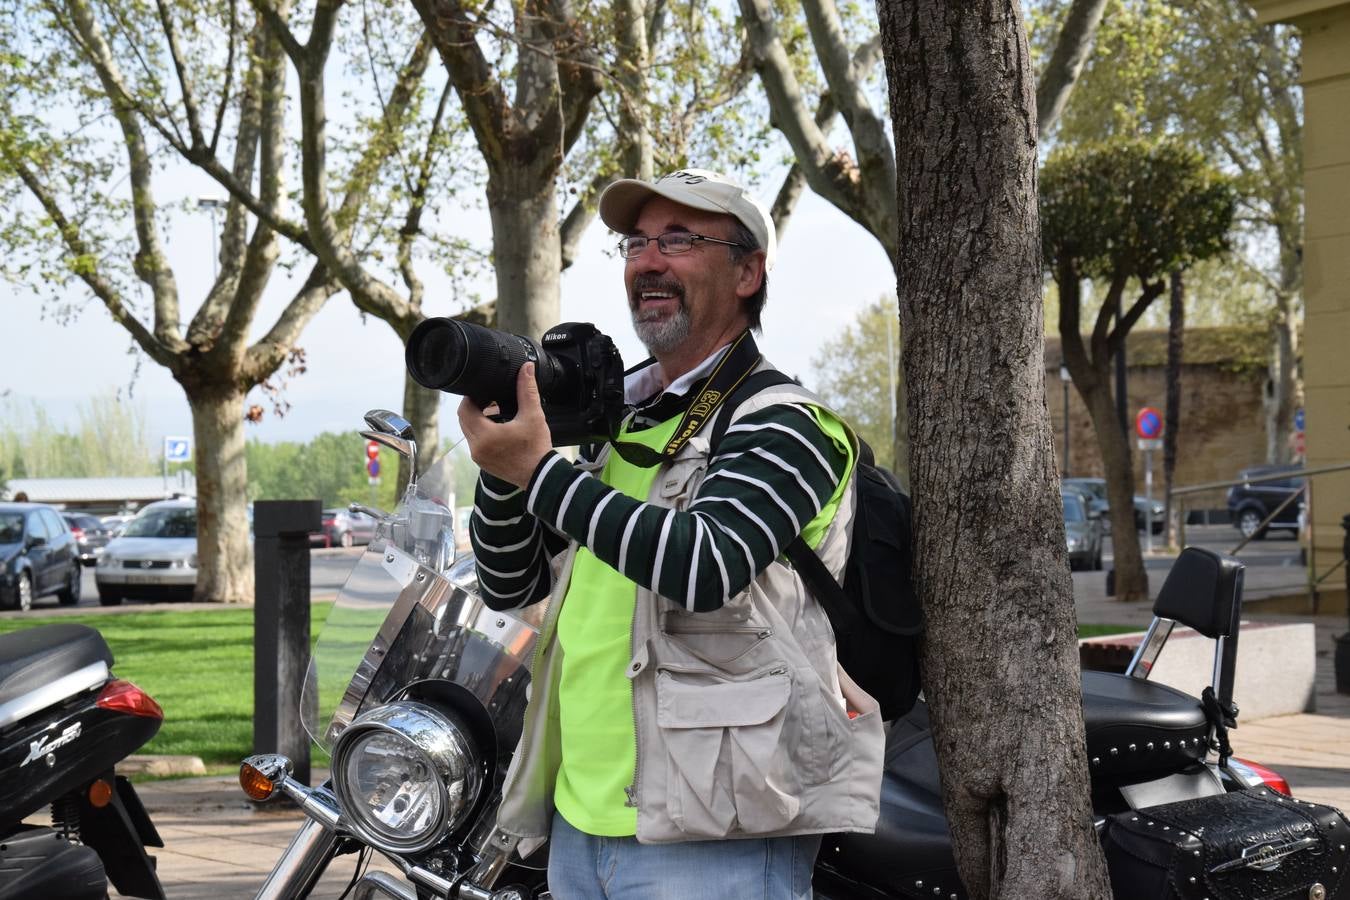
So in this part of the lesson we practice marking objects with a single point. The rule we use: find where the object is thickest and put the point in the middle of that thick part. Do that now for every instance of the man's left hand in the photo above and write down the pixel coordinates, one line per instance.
(510, 450)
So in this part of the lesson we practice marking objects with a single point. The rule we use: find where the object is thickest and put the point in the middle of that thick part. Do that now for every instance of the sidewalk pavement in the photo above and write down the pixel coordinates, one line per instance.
(220, 846)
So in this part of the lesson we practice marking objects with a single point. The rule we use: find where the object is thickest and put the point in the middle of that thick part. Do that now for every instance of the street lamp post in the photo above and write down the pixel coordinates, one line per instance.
(1067, 380)
(211, 204)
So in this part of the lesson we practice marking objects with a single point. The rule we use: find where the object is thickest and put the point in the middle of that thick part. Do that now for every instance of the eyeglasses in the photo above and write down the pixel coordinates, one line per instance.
(670, 243)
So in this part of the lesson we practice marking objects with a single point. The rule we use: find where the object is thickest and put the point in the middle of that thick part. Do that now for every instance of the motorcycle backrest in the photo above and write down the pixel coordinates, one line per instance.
(1204, 592)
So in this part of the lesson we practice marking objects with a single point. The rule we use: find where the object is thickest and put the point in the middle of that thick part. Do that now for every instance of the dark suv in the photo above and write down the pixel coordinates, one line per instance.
(37, 556)
(1249, 504)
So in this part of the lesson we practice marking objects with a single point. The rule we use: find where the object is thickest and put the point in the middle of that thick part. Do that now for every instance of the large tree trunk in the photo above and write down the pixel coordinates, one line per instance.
(1131, 580)
(421, 407)
(989, 536)
(1176, 334)
(224, 551)
(526, 249)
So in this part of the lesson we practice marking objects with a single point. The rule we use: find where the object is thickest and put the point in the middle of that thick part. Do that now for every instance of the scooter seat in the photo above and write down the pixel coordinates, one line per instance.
(1139, 728)
(36, 657)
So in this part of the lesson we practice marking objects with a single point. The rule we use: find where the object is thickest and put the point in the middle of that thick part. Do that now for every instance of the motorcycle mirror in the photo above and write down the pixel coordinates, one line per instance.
(390, 423)
(402, 446)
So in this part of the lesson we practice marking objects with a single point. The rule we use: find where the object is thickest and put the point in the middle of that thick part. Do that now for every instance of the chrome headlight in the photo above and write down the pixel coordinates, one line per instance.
(405, 773)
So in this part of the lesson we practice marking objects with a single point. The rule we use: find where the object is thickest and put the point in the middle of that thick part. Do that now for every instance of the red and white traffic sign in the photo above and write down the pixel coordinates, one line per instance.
(1148, 424)
(372, 449)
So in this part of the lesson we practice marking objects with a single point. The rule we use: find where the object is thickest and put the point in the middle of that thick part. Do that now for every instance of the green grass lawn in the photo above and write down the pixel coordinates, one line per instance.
(199, 667)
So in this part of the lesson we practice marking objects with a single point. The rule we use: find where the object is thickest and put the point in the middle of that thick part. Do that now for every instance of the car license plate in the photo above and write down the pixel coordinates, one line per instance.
(142, 579)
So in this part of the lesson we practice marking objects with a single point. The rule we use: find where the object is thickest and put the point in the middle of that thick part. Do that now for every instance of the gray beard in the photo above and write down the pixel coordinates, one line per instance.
(662, 335)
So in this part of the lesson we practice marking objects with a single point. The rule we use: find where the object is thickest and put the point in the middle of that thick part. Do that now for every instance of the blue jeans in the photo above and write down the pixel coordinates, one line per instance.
(585, 867)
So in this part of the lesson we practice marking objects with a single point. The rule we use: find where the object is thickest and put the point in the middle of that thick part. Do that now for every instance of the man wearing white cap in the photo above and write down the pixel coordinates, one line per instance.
(689, 732)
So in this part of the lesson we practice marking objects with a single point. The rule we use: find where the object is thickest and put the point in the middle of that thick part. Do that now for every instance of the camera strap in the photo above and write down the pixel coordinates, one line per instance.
(733, 368)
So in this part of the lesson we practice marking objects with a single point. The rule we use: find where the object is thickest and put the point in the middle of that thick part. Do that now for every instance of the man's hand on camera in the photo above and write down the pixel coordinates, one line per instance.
(510, 450)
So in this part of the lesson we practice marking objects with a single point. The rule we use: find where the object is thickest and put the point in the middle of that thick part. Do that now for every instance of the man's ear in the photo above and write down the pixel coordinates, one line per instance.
(750, 274)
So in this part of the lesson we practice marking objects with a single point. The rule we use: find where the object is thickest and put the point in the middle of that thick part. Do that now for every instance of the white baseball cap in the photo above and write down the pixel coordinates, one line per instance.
(696, 188)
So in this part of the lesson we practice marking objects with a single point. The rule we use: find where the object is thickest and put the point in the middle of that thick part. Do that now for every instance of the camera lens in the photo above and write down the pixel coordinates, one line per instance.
(437, 353)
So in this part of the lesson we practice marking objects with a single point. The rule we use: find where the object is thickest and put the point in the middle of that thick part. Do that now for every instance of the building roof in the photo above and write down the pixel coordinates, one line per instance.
(104, 491)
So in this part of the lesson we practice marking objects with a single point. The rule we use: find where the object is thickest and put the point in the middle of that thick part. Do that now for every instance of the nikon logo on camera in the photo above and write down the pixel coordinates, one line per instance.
(693, 419)
(555, 337)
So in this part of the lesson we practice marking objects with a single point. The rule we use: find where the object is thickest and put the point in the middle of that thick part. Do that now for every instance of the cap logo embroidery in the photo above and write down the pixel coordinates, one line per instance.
(685, 177)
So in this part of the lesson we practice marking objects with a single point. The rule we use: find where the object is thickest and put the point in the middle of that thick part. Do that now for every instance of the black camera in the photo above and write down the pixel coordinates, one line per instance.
(578, 370)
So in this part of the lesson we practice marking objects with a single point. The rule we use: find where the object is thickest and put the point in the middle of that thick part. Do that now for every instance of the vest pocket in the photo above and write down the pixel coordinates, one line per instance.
(727, 767)
(715, 643)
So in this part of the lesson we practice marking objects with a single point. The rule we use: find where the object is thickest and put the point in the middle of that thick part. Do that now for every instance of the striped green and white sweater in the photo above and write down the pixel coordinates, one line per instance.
(773, 472)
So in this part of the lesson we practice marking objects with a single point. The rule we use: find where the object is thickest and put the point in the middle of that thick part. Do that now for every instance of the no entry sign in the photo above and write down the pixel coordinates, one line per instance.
(1148, 424)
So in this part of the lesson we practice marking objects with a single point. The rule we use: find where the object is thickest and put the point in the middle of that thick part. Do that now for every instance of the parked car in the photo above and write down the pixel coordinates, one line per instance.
(1096, 488)
(1250, 504)
(38, 556)
(155, 557)
(343, 528)
(115, 524)
(91, 535)
(1082, 531)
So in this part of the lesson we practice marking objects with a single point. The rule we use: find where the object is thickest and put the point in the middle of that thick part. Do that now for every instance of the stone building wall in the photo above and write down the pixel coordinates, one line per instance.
(1222, 424)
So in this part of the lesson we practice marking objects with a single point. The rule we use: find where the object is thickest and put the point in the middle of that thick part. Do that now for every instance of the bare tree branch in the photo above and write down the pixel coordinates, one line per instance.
(184, 81)
(272, 348)
(822, 166)
(88, 272)
(151, 264)
(1073, 46)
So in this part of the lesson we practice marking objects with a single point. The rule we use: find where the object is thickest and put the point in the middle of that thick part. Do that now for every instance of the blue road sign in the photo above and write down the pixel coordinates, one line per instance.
(373, 467)
(1148, 424)
(177, 449)
(1298, 419)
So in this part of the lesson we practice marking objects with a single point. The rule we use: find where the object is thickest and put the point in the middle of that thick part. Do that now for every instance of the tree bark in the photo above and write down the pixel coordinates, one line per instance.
(1131, 580)
(989, 535)
(1091, 372)
(526, 249)
(224, 551)
(1176, 335)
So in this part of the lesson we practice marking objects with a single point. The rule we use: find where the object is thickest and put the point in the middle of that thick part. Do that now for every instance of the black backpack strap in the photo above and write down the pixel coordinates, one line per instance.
(748, 388)
(842, 614)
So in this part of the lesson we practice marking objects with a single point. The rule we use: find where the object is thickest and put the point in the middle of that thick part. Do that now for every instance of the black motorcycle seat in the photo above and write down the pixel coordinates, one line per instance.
(911, 854)
(1137, 728)
(35, 657)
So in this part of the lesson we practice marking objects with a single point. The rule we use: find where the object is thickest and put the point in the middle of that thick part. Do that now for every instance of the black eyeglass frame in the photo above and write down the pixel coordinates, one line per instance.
(625, 248)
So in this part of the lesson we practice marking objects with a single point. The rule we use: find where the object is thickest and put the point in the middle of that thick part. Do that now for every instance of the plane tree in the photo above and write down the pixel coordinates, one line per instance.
(1000, 657)
(1205, 71)
(828, 73)
(107, 103)
(1127, 214)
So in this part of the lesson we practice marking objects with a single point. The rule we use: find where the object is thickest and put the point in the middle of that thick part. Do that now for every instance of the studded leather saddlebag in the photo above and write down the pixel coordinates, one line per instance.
(1247, 845)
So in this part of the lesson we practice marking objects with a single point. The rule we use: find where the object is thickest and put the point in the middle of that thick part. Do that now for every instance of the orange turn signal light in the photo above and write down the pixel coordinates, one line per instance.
(255, 784)
(100, 794)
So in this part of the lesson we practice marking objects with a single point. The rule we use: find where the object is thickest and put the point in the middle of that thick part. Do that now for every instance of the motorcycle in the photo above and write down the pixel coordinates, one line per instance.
(65, 724)
(423, 689)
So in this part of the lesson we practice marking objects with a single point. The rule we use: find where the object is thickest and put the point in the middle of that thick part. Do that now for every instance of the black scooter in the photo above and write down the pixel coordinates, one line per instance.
(65, 723)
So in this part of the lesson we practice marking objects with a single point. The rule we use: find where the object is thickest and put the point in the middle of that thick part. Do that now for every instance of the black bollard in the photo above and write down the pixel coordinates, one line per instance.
(281, 626)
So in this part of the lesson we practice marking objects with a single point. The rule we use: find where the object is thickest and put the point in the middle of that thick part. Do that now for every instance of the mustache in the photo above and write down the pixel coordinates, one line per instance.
(652, 282)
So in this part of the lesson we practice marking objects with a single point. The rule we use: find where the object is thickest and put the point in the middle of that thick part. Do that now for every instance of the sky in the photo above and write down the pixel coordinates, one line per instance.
(828, 269)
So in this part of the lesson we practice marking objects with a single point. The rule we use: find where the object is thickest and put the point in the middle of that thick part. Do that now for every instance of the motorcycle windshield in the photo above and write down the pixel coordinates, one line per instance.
(409, 616)
(406, 562)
